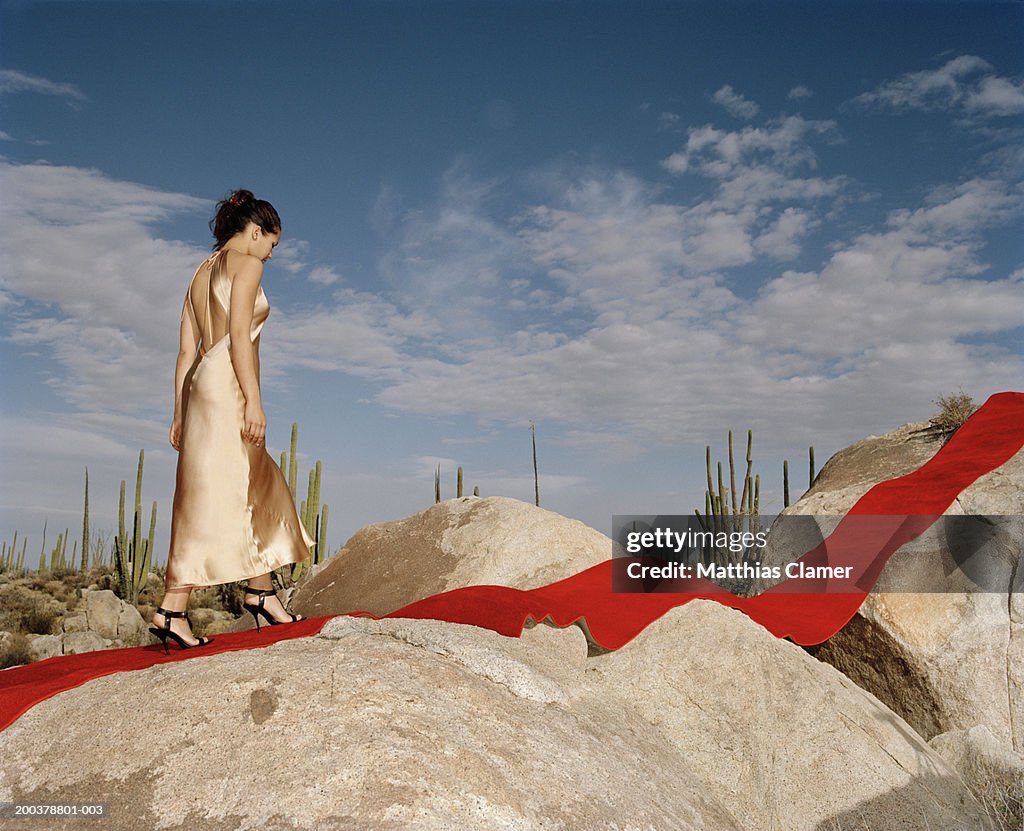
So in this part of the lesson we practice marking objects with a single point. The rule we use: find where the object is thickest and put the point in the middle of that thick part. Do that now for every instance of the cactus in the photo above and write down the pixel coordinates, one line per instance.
(732, 476)
(437, 485)
(745, 497)
(322, 549)
(536, 481)
(132, 556)
(458, 482)
(726, 508)
(810, 471)
(785, 483)
(293, 463)
(85, 525)
(9, 558)
(476, 490)
(57, 558)
(312, 514)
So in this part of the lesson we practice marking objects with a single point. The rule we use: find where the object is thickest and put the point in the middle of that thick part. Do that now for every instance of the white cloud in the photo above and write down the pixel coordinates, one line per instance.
(782, 143)
(104, 302)
(781, 240)
(668, 121)
(324, 275)
(753, 211)
(957, 85)
(452, 262)
(734, 103)
(996, 96)
(799, 93)
(12, 81)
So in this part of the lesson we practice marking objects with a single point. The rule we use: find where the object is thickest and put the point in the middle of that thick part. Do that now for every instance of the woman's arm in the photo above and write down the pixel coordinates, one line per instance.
(244, 356)
(188, 341)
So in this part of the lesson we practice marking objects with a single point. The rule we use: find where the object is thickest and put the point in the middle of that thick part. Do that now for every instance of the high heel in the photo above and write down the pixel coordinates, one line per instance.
(257, 610)
(164, 632)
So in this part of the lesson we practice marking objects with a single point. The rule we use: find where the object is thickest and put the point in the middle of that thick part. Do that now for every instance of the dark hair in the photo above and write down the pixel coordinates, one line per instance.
(236, 211)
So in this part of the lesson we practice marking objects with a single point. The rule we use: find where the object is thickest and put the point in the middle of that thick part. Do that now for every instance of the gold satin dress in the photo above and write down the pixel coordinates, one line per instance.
(233, 514)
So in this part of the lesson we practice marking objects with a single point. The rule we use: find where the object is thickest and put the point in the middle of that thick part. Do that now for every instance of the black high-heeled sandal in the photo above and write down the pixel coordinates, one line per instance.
(257, 609)
(165, 632)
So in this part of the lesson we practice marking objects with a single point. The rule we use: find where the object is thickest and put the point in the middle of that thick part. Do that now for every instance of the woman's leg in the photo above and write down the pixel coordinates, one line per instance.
(271, 602)
(176, 600)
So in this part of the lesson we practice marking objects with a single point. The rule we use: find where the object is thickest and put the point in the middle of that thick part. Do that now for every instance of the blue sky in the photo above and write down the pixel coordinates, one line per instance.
(637, 224)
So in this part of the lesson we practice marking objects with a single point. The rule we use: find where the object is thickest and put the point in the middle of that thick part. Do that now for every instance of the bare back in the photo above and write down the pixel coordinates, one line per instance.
(208, 302)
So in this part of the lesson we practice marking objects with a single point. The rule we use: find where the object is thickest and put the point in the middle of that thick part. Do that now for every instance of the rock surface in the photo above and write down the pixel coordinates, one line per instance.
(391, 725)
(465, 541)
(950, 656)
(410, 724)
(782, 740)
(994, 773)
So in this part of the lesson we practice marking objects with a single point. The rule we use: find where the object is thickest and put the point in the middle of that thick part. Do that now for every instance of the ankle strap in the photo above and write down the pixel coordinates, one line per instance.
(262, 592)
(162, 611)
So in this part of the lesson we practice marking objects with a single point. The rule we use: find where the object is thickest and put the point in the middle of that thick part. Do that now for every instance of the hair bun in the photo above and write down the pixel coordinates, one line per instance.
(240, 197)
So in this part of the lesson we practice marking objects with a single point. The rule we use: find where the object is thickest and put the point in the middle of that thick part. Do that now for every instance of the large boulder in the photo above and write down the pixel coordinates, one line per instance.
(461, 542)
(386, 725)
(418, 724)
(941, 639)
(110, 617)
(782, 740)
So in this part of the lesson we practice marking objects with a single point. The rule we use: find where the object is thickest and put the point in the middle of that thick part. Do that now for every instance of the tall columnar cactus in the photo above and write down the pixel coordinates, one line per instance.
(321, 543)
(293, 463)
(9, 558)
(58, 560)
(458, 482)
(437, 485)
(536, 480)
(785, 483)
(810, 470)
(85, 525)
(132, 555)
(312, 514)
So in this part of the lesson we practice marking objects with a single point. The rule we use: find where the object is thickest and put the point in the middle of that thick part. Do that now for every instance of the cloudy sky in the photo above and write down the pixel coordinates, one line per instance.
(637, 224)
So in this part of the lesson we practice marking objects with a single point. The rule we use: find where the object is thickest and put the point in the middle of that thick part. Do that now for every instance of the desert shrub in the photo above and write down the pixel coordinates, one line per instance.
(230, 596)
(205, 598)
(22, 610)
(1003, 803)
(41, 619)
(14, 650)
(954, 410)
(62, 592)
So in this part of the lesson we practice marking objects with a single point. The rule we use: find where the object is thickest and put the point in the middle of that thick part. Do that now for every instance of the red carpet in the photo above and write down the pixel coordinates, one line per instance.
(901, 509)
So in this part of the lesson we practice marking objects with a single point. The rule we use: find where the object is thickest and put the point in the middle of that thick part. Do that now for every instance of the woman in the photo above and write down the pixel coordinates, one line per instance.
(233, 517)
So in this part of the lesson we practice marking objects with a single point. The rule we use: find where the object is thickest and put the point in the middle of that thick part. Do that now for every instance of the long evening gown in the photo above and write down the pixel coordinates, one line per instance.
(233, 514)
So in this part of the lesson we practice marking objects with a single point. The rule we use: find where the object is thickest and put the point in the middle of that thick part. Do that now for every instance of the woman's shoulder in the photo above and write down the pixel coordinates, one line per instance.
(239, 264)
